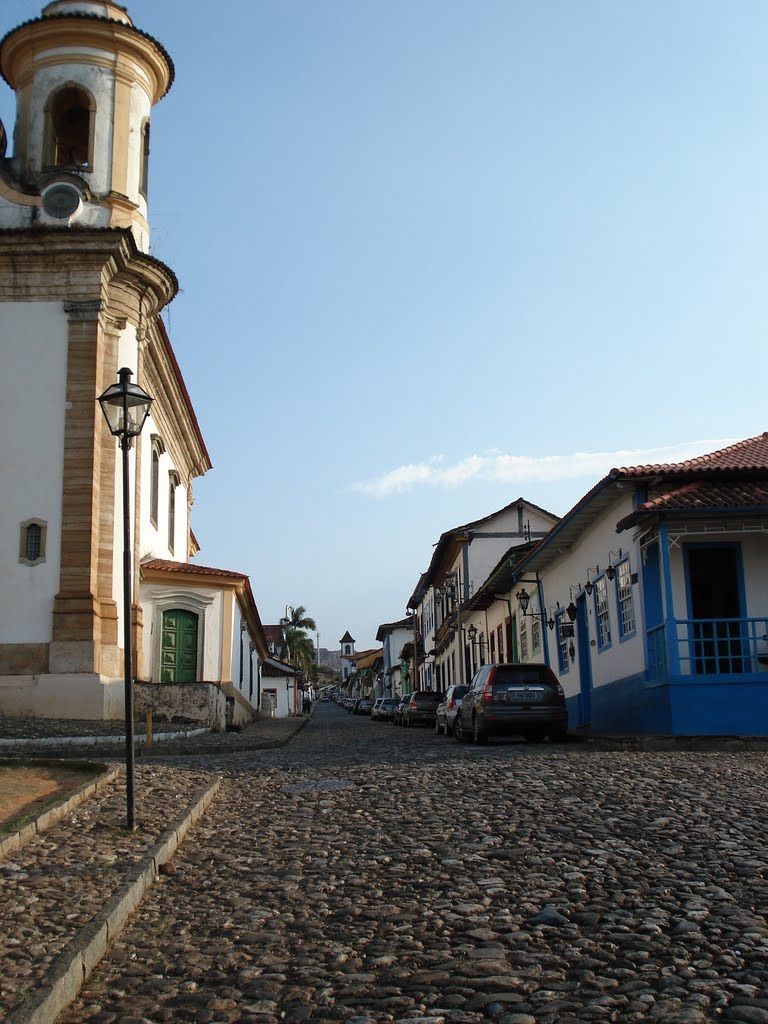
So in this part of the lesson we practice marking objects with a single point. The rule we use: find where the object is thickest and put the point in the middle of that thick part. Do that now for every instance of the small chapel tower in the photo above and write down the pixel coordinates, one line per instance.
(85, 81)
(347, 645)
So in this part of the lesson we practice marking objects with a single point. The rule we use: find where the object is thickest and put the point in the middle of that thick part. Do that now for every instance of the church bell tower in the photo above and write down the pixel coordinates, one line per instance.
(85, 81)
(80, 297)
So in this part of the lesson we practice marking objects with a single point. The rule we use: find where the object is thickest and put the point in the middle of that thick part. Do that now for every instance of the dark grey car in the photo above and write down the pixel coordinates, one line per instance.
(513, 699)
(422, 707)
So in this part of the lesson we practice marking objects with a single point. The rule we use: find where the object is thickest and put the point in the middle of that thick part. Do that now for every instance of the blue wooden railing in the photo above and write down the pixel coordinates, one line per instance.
(708, 647)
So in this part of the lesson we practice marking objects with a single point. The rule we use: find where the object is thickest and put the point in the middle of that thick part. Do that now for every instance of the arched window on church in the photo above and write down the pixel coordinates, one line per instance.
(144, 174)
(154, 479)
(70, 114)
(173, 483)
(32, 541)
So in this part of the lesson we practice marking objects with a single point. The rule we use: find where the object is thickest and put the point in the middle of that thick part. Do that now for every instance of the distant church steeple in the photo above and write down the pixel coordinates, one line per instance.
(347, 644)
(85, 80)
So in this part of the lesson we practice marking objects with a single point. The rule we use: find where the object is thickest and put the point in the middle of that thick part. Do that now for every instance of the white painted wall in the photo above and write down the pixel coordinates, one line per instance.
(622, 658)
(484, 552)
(284, 689)
(33, 369)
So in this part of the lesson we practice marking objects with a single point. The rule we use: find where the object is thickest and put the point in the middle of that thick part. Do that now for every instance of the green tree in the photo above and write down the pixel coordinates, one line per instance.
(301, 649)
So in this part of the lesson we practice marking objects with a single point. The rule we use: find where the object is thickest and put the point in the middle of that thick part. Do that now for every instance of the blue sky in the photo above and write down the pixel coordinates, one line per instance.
(439, 254)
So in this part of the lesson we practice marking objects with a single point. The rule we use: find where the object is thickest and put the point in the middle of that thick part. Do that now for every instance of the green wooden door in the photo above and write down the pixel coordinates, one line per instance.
(178, 656)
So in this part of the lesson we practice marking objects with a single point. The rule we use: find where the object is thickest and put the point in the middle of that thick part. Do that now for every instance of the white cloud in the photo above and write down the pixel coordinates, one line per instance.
(498, 467)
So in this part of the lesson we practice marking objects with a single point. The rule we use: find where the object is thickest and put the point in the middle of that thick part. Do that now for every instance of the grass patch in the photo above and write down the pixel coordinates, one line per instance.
(29, 788)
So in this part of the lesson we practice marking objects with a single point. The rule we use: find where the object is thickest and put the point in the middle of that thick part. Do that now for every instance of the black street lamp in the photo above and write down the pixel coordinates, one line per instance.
(126, 407)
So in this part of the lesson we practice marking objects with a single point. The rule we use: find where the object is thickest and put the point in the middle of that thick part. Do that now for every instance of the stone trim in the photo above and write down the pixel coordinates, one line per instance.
(88, 309)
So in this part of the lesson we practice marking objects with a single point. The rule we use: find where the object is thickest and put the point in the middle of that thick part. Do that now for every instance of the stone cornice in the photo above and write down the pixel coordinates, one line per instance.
(51, 254)
(22, 45)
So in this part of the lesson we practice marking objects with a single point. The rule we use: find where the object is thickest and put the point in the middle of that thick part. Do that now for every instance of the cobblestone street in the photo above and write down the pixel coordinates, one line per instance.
(369, 873)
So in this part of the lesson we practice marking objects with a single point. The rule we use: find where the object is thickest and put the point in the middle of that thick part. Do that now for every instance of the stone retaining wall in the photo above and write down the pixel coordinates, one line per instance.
(202, 703)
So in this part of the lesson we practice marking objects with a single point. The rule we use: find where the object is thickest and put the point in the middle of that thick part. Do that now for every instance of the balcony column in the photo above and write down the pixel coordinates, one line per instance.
(673, 646)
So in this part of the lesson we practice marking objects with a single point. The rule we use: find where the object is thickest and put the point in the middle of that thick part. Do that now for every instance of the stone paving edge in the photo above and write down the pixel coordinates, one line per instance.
(72, 967)
(13, 842)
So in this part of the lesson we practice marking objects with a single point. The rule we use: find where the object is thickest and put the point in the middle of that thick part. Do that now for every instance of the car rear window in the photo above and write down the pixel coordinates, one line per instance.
(524, 675)
(428, 697)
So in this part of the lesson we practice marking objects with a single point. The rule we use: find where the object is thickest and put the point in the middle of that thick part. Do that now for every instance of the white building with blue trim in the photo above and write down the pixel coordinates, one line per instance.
(650, 598)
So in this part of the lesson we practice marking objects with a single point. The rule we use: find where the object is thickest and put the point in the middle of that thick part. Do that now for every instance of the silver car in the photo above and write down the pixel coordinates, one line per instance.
(447, 709)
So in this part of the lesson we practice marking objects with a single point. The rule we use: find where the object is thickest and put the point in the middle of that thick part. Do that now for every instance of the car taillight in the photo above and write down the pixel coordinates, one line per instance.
(412, 705)
(487, 695)
(560, 690)
(451, 704)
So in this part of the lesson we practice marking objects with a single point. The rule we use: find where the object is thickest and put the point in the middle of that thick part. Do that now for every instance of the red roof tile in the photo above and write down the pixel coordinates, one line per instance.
(705, 496)
(166, 565)
(748, 455)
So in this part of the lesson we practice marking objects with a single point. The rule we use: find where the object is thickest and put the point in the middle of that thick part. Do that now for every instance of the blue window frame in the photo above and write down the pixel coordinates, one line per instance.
(602, 613)
(563, 663)
(625, 601)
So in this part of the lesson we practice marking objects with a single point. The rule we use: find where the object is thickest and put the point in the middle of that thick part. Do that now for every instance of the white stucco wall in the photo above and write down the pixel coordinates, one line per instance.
(284, 687)
(33, 350)
(559, 583)
(484, 552)
(155, 536)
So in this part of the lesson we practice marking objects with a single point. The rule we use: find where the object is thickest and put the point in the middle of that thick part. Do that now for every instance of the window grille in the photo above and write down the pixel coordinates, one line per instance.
(34, 542)
(626, 604)
(562, 644)
(602, 614)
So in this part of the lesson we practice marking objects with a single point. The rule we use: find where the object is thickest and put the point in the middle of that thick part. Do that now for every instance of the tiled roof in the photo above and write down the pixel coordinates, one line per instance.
(705, 496)
(369, 658)
(166, 565)
(347, 638)
(748, 458)
(744, 456)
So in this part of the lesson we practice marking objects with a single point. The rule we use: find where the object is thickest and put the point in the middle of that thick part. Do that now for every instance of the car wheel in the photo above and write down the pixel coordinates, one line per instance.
(478, 736)
(559, 736)
(461, 735)
(534, 737)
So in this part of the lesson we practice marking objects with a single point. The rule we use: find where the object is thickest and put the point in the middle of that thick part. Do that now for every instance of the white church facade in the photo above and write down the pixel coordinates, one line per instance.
(80, 298)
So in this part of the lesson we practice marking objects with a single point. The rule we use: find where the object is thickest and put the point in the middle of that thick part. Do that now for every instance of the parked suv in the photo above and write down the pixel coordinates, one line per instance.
(422, 707)
(447, 710)
(513, 699)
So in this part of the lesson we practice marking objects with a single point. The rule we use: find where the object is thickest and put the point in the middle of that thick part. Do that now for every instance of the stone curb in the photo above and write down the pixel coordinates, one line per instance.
(22, 742)
(230, 743)
(674, 744)
(74, 964)
(236, 746)
(10, 844)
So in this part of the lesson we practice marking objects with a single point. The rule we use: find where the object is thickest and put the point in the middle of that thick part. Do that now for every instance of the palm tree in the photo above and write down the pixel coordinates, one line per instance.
(297, 618)
(301, 650)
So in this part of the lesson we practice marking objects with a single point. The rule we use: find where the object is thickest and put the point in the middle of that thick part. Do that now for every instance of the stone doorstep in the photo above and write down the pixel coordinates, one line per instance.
(10, 844)
(72, 967)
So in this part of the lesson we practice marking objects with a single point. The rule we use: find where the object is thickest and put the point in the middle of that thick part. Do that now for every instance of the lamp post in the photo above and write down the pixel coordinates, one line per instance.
(126, 407)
